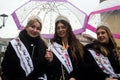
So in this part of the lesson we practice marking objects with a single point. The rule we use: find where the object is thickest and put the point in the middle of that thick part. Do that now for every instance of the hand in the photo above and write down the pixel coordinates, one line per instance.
(110, 79)
(72, 78)
(49, 55)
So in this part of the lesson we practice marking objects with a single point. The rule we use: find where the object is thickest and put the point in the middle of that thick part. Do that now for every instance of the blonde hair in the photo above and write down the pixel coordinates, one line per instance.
(109, 33)
(34, 19)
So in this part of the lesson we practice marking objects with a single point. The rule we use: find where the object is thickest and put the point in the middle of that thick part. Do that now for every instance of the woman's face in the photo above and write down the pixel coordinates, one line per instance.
(102, 36)
(61, 30)
(33, 30)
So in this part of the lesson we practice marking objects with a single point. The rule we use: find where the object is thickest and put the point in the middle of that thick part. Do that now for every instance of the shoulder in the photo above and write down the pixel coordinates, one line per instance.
(89, 45)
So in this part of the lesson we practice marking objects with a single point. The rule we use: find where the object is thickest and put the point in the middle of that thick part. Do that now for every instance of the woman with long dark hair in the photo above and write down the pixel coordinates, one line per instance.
(65, 53)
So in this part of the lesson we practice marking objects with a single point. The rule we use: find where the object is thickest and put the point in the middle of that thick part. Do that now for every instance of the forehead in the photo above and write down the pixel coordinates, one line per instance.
(60, 24)
(101, 30)
(36, 23)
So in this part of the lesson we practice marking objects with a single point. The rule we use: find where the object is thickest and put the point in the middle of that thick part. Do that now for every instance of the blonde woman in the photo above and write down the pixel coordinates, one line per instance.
(101, 57)
(24, 53)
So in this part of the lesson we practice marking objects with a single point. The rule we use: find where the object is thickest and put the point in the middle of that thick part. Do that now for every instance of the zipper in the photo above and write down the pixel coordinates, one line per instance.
(33, 52)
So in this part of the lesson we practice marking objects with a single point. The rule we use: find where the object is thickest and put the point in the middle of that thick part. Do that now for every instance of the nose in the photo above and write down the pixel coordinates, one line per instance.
(60, 29)
(100, 34)
(35, 29)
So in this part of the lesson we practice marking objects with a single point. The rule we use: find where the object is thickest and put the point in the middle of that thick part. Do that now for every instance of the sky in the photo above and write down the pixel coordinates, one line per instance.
(8, 7)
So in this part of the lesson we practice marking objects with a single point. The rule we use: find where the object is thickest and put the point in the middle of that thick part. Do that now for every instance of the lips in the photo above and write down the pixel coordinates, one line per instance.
(34, 34)
(101, 39)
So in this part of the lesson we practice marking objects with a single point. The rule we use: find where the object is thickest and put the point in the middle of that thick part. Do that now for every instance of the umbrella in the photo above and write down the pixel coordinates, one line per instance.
(107, 13)
(48, 11)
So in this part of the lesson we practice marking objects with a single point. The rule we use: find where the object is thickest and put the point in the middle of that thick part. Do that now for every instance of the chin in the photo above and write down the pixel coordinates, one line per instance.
(33, 36)
(102, 42)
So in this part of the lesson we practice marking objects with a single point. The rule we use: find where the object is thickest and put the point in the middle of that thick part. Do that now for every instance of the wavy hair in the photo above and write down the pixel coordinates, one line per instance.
(109, 33)
(74, 44)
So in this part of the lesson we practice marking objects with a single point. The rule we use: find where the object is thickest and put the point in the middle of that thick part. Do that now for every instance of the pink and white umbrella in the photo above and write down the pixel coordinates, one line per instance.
(108, 13)
(48, 11)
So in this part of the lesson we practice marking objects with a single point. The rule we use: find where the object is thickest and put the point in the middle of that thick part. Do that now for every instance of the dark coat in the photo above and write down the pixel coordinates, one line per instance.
(93, 72)
(54, 71)
(11, 68)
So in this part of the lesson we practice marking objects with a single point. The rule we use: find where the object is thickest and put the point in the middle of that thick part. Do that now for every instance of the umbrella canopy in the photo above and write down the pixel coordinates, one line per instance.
(48, 11)
(107, 13)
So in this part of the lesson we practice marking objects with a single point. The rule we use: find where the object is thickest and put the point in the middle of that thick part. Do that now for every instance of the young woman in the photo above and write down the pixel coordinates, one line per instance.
(24, 53)
(101, 57)
(65, 53)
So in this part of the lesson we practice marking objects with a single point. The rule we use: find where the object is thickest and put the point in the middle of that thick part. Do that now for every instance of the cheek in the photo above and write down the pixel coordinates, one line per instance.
(98, 37)
(107, 38)
(57, 31)
(38, 32)
(28, 29)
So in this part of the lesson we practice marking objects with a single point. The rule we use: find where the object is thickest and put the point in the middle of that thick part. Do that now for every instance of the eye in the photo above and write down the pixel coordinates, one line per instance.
(38, 28)
(103, 32)
(63, 27)
(98, 33)
(33, 26)
(57, 28)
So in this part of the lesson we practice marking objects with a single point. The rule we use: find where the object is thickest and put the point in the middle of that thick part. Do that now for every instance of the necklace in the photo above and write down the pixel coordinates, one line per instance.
(65, 46)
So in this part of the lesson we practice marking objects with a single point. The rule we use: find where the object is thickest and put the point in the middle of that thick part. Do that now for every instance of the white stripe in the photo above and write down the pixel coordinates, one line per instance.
(23, 55)
(107, 65)
(56, 49)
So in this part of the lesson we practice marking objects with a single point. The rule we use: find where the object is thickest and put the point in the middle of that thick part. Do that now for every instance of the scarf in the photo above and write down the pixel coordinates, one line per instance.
(104, 64)
(23, 55)
(62, 55)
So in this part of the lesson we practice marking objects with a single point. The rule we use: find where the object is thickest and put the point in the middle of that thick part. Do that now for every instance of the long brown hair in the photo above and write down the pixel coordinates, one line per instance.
(111, 38)
(75, 45)
(109, 33)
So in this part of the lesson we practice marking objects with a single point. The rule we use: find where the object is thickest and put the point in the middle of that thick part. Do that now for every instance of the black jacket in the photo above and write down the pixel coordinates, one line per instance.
(93, 72)
(54, 71)
(11, 69)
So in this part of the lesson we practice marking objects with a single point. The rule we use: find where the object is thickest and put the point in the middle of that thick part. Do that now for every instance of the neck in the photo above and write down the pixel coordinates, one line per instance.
(65, 43)
(65, 40)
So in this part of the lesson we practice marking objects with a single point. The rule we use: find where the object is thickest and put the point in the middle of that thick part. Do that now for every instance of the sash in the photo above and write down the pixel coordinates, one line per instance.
(23, 55)
(62, 55)
(104, 64)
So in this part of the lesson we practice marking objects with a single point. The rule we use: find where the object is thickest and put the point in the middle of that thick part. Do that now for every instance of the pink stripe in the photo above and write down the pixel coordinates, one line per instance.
(105, 10)
(91, 28)
(94, 30)
(116, 36)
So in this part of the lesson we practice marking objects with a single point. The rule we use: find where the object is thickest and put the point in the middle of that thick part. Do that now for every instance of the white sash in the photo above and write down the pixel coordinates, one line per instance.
(62, 55)
(22, 53)
(104, 64)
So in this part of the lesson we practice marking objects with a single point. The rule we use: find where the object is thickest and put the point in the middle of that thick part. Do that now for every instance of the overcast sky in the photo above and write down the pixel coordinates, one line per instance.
(6, 6)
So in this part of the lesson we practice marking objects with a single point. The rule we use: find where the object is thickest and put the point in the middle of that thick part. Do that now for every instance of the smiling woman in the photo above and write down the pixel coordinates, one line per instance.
(24, 53)
(65, 53)
(101, 56)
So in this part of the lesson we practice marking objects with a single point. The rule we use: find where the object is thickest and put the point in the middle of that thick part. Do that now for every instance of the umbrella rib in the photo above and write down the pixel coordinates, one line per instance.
(46, 14)
(74, 14)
